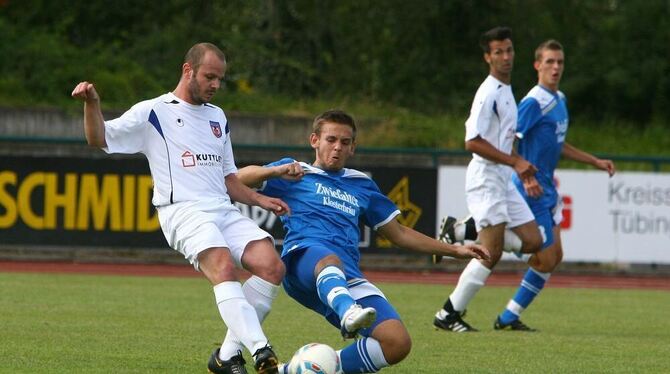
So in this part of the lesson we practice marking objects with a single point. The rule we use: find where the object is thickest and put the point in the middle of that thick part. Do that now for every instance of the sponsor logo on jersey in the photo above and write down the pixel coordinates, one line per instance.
(216, 128)
(187, 159)
(338, 199)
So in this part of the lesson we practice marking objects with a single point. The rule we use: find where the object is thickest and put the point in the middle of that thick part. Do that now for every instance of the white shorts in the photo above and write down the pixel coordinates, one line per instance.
(492, 197)
(193, 226)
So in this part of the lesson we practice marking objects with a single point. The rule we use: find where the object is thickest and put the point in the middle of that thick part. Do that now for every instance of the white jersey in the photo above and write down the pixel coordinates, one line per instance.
(187, 146)
(493, 116)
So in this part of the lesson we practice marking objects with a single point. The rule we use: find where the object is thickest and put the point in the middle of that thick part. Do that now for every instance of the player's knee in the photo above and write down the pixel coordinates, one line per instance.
(272, 272)
(532, 244)
(396, 347)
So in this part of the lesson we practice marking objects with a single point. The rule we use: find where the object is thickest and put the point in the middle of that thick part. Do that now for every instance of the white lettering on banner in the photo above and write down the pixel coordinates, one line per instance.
(623, 219)
(628, 222)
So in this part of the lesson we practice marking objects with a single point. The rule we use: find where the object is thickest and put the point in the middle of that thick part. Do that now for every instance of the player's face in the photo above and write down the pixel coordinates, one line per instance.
(204, 83)
(500, 59)
(334, 146)
(550, 68)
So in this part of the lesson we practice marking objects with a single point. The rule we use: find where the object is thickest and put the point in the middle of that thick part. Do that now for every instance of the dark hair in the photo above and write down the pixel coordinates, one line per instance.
(550, 44)
(333, 116)
(195, 55)
(499, 33)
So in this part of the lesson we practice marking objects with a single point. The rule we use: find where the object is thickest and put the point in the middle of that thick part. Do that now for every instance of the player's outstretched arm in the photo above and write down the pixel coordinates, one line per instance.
(254, 175)
(407, 238)
(94, 123)
(576, 154)
(243, 194)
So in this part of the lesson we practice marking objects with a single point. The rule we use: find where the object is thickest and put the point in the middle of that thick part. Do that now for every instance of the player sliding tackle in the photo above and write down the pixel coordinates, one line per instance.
(321, 251)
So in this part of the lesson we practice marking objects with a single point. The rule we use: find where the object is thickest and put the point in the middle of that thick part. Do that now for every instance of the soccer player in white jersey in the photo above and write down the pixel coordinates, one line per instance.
(321, 251)
(492, 200)
(542, 128)
(187, 143)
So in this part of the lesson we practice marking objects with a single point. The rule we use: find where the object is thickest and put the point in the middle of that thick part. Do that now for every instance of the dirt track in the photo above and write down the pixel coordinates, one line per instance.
(496, 279)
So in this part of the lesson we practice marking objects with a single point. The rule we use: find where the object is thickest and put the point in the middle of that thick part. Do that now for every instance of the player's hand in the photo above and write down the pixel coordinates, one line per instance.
(85, 91)
(292, 171)
(524, 168)
(276, 206)
(532, 187)
(606, 165)
(473, 251)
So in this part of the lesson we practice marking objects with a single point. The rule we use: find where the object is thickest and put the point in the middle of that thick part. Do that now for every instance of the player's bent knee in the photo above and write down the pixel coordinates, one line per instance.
(397, 349)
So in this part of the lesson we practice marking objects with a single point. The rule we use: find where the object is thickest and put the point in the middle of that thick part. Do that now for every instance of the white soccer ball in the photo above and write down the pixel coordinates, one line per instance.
(315, 358)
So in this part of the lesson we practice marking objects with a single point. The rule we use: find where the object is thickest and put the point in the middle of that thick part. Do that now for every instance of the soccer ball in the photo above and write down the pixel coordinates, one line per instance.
(315, 358)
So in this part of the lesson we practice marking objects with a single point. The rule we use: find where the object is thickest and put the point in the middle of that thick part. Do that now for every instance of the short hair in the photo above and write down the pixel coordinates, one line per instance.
(550, 44)
(333, 116)
(195, 55)
(499, 33)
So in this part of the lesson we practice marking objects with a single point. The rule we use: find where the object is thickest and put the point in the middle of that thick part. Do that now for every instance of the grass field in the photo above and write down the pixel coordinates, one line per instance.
(120, 324)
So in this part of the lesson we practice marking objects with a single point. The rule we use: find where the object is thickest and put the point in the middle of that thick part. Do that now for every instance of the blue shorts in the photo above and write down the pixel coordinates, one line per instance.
(300, 284)
(546, 223)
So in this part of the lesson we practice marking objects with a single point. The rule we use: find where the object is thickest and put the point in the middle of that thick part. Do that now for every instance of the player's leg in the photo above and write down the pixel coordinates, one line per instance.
(251, 248)
(193, 230)
(261, 260)
(472, 279)
(235, 311)
(535, 277)
(386, 342)
(486, 197)
(322, 268)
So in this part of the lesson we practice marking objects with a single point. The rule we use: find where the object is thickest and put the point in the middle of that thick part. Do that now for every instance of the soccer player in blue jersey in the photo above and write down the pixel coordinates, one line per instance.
(542, 128)
(321, 251)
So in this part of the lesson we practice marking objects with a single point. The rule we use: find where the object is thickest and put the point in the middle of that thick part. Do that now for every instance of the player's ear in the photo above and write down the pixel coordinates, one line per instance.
(314, 140)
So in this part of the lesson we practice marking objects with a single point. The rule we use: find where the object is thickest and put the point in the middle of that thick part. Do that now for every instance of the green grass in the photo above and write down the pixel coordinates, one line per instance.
(85, 323)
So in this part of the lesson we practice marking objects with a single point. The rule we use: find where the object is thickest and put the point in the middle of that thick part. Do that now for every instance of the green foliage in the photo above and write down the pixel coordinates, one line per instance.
(102, 324)
(420, 55)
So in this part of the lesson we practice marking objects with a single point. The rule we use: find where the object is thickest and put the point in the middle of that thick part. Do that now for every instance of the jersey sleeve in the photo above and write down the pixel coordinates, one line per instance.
(126, 133)
(228, 157)
(275, 187)
(480, 117)
(529, 115)
(380, 209)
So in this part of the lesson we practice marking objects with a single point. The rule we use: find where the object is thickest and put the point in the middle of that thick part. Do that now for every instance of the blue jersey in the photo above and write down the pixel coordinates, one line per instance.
(542, 126)
(326, 208)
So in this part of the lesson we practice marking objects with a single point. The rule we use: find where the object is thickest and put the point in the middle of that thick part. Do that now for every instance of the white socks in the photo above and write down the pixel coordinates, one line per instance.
(471, 280)
(260, 294)
(239, 316)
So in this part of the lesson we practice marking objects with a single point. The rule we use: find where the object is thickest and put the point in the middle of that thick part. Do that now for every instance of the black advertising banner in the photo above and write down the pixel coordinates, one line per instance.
(106, 202)
(58, 201)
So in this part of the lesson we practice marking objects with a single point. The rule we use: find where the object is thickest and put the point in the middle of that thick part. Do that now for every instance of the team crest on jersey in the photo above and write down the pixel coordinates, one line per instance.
(216, 128)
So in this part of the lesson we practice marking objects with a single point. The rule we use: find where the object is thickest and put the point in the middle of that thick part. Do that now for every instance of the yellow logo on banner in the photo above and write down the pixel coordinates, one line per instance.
(409, 212)
(77, 201)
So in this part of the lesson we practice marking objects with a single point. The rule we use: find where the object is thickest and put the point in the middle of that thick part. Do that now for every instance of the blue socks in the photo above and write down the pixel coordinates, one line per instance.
(531, 285)
(362, 356)
(331, 285)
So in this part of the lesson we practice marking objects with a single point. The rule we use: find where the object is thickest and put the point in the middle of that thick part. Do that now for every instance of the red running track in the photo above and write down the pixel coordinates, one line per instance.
(497, 279)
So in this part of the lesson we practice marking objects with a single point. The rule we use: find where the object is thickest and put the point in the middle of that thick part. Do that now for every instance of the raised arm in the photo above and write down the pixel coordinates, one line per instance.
(94, 123)
(253, 175)
(573, 153)
(407, 238)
